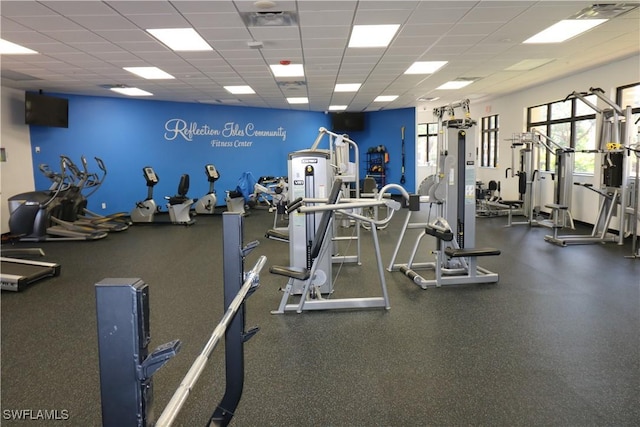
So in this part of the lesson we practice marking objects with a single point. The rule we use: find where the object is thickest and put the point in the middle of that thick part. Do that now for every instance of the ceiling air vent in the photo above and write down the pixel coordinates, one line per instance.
(270, 19)
(292, 84)
(604, 10)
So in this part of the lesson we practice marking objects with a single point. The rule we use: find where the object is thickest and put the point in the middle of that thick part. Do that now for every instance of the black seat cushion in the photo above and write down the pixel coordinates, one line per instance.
(471, 252)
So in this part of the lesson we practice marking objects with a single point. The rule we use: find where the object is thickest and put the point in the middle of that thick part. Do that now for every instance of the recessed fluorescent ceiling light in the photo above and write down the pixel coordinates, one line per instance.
(425, 67)
(455, 84)
(240, 90)
(337, 107)
(298, 100)
(150, 73)
(290, 70)
(372, 35)
(528, 64)
(385, 98)
(347, 87)
(564, 30)
(131, 91)
(8, 48)
(180, 39)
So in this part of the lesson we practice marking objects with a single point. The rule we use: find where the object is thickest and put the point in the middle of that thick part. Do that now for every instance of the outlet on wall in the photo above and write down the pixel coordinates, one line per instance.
(104, 205)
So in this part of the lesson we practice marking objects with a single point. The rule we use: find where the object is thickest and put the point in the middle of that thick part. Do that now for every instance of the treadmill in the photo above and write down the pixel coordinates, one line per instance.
(17, 273)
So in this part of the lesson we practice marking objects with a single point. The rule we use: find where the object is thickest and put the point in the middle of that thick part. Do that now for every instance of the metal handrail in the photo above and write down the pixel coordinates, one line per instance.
(170, 412)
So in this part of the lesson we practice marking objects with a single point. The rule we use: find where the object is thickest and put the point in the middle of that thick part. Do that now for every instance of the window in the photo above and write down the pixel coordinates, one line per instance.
(570, 123)
(489, 142)
(427, 143)
(630, 95)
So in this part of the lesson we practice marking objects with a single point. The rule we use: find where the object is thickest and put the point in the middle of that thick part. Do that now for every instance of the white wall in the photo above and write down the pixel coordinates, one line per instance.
(16, 174)
(512, 110)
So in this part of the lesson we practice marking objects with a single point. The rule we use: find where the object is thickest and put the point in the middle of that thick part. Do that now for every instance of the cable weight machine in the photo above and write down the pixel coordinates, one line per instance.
(615, 127)
(454, 194)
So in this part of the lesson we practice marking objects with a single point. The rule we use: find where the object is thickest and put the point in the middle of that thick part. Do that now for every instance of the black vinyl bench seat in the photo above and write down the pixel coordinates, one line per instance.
(471, 252)
(447, 236)
(511, 204)
(557, 206)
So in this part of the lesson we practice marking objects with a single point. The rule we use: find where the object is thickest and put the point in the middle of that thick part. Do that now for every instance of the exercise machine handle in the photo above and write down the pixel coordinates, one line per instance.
(292, 206)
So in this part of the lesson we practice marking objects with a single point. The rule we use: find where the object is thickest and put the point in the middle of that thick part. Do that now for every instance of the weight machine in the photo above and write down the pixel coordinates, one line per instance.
(615, 127)
(311, 176)
(531, 146)
(454, 194)
(315, 279)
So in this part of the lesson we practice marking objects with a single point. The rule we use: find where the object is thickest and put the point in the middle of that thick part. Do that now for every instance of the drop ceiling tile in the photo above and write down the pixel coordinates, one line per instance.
(75, 36)
(322, 19)
(197, 7)
(98, 22)
(332, 43)
(427, 13)
(24, 8)
(77, 8)
(127, 8)
(380, 17)
(149, 21)
(46, 23)
(215, 21)
(9, 26)
(327, 32)
(500, 14)
(274, 33)
(421, 30)
(413, 42)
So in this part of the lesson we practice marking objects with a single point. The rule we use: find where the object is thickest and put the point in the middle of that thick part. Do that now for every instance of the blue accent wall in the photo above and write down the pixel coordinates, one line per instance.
(383, 128)
(178, 138)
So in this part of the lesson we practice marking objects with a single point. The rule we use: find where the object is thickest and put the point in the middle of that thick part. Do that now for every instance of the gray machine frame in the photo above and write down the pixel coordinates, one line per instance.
(127, 367)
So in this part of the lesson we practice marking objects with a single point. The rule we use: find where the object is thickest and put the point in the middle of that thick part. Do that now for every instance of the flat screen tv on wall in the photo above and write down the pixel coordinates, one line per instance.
(347, 122)
(44, 110)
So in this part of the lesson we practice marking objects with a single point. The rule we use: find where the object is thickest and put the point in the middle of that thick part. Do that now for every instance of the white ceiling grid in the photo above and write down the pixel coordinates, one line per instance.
(84, 45)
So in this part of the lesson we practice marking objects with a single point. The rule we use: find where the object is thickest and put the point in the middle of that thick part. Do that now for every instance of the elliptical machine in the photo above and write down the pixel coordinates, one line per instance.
(35, 215)
(207, 203)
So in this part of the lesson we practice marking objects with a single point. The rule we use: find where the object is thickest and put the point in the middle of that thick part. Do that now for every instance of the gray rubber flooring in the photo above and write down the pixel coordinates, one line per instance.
(555, 343)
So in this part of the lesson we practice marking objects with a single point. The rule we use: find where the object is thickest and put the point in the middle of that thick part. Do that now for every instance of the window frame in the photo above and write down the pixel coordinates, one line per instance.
(635, 112)
(489, 141)
(431, 135)
(546, 124)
